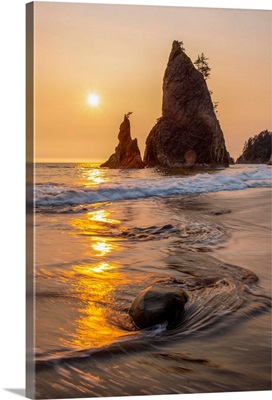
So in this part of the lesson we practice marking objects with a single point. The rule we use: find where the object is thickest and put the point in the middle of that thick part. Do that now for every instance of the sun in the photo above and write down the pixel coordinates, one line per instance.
(93, 100)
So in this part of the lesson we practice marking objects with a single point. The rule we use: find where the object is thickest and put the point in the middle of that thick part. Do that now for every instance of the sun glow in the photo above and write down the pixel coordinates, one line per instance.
(93, 100)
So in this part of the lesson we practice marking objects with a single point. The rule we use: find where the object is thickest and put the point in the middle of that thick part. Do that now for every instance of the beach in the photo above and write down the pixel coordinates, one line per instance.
(103, 236)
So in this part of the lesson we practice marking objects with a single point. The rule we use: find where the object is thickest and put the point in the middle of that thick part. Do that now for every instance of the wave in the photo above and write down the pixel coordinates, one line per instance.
(227, 180)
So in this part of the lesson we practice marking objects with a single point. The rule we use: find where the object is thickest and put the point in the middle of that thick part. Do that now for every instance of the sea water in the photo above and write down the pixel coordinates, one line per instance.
(101, 236)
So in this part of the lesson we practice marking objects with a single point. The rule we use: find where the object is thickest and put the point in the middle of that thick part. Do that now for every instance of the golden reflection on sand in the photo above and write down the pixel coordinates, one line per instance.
(102, 246)
(102, 216)
(94, 222)
(95, 283)
(97, 223)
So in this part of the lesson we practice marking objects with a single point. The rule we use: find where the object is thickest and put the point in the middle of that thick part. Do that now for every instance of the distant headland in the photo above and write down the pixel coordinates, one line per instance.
(257, 149)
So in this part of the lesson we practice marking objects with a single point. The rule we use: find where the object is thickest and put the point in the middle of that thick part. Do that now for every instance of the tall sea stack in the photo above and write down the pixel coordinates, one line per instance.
(127, 153)
(188, 133)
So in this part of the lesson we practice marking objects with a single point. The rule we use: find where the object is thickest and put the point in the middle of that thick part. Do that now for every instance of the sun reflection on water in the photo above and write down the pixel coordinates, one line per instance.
(92, 176)
(102, 247)
(95, 283)
(102, 216)
(95, 222)
(96, 225)
(103, 266)
(94, 286)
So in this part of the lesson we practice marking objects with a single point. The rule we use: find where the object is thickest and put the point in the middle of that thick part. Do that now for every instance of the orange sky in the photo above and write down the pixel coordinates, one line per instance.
(120, 53)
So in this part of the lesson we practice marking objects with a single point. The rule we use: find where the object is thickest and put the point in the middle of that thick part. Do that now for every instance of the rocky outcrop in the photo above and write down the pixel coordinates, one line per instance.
(257, 150)
(188, 133)
(127, 153)
(157, 304)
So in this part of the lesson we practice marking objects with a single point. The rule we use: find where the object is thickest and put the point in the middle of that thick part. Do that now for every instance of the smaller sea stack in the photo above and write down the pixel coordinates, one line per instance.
(127, 154)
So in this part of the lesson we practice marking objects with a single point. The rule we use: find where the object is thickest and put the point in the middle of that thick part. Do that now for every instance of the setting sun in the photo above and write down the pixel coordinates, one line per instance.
(93, 100)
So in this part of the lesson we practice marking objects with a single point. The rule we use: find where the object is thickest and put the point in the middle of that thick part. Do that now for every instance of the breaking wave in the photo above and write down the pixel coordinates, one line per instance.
(227, 180)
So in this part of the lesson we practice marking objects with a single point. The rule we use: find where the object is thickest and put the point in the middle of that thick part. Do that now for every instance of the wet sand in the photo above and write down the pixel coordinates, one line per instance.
(232, 354)
(247, 217)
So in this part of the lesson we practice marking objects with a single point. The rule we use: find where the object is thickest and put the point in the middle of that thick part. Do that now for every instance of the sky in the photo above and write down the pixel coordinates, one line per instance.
(120, 53)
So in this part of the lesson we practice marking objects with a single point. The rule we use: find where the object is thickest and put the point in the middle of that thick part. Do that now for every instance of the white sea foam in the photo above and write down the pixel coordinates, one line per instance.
(234, 178)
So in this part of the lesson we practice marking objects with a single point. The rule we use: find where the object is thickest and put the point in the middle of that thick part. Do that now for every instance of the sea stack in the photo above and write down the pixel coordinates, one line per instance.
(188, 133)
(127, 153)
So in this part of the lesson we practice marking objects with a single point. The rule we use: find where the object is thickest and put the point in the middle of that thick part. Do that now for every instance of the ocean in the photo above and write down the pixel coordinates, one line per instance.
(102, 236)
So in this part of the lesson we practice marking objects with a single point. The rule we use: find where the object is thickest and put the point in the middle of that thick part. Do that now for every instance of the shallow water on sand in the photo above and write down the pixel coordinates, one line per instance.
(102, 236)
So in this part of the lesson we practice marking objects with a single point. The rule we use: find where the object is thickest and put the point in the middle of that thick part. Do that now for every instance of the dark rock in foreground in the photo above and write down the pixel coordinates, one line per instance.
(188, 133)
(257, 150)
(157, 304)
(127, 153)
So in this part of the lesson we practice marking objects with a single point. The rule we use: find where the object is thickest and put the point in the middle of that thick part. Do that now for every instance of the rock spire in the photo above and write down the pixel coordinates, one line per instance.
(188, 132)
(127, 153)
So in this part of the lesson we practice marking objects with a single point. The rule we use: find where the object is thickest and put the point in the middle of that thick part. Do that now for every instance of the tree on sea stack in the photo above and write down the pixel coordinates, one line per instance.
(202, 66)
